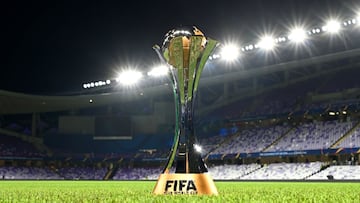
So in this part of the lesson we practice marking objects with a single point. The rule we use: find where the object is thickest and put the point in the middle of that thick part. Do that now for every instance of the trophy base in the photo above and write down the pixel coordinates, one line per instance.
(185, 183)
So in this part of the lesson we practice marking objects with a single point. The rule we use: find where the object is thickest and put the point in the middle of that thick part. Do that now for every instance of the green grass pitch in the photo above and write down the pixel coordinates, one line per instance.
(140, 191)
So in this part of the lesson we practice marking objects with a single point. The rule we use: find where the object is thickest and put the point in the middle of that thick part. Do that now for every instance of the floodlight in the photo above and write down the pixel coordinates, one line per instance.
(297, 35)
(332, 26)
(108, 82)
(129, 77)
(92, 84)
(159, 71)
(350, 22)
(197, 148)
(247, 48)
(280, 40)
(85, 86)
(230, 52)
(331, 113)
(267, 43)
(216, 56)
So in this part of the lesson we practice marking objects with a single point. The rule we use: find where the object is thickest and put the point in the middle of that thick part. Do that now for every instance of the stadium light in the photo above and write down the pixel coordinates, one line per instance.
(350, 22)
(159, 71)
(280, 40)
(249, 47)
(129, 77)
(297, 35)
(266, 43)
(96, 84)
(314, 31)
(214, 56)
(197, 148)
(230, 52)
(332, 26)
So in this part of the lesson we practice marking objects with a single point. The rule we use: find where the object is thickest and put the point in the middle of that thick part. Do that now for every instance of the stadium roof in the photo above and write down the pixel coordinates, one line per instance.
(19, 103)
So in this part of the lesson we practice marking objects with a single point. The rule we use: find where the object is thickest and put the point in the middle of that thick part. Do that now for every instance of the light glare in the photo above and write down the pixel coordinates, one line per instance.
(197, 148)
(159, 71)
(332, 26)
(297, 35)
(230, 52)
(129, 77)
(267, 43)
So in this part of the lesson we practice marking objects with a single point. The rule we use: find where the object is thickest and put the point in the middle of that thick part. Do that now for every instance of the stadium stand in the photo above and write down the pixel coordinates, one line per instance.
(137, 173)
(15, 147)
(343, 172)
(210, 143)
(27, 173)
(352, 139)
(232, 172)
(251, 140)
(316, 135)
(284, 171)
(82, 173)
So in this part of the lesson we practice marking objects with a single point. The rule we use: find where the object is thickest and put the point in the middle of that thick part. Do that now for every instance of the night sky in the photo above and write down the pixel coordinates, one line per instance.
(48, 47)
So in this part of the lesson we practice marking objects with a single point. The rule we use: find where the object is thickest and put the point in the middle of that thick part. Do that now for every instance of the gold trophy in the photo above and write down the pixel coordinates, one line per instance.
(186, 52)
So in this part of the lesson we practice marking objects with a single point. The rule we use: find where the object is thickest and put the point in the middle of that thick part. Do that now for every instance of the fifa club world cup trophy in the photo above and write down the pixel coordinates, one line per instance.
(186, 52)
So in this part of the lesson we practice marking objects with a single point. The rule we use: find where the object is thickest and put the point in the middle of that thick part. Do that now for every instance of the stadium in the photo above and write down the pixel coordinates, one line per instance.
(277, 119)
